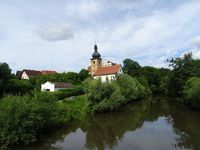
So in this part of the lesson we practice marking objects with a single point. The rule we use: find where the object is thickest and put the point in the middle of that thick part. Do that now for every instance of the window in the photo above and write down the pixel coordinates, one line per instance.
(107, 79)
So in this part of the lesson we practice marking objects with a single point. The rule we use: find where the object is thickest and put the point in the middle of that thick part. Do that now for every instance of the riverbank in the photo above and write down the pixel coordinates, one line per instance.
(24, 118)
(137, 125)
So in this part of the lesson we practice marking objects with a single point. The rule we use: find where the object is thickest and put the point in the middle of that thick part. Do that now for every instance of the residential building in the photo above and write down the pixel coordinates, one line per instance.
(27, 74)
(54, 86)
(105, 70)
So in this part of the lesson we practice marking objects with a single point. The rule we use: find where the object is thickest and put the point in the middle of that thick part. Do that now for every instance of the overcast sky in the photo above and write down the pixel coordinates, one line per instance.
(60, 34)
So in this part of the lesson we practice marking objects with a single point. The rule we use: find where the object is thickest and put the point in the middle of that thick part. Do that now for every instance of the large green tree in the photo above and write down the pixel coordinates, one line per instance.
(131, 67)
(5, 76)
(84, 74)
(183, 69)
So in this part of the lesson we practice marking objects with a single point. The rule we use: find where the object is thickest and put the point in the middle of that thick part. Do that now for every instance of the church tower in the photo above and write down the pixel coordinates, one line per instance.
(96, 60)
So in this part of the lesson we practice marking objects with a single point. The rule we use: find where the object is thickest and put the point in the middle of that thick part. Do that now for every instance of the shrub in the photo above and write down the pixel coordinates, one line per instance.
(192, 93)
(22, 118)
(131, 88)
(74, 91)
(103, 96)
(110, 96)
(77, 107)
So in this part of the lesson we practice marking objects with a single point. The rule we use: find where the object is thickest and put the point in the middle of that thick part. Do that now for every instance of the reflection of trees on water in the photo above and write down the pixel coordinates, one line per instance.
(185, 122)
(105, 130)
(186, 125)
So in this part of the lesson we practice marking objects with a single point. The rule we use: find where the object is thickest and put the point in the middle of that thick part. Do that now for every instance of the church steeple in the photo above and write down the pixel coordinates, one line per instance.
(96, 60)
(96, 54)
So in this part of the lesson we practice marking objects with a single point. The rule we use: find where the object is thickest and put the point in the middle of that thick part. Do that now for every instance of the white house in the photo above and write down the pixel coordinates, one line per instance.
(54, 86)
(108, 73)
(105, 70)
(27, 74)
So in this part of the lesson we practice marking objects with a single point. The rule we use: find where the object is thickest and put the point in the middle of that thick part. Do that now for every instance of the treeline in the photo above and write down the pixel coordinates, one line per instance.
(10, 84)
(181, 81)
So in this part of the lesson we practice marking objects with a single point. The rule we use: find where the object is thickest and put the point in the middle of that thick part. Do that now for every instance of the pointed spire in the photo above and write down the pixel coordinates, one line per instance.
(95, 47)
(96, 55)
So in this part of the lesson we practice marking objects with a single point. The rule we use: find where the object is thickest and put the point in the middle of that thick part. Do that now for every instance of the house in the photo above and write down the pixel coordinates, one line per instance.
(48, 72)
(54, 86)
(18, 74)
(27, 74)
(105, 70)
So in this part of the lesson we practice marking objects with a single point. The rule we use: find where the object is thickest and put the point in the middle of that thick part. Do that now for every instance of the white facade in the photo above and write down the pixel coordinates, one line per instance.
(109, 77)
(54, 86)
(48, 86)
(24, 76)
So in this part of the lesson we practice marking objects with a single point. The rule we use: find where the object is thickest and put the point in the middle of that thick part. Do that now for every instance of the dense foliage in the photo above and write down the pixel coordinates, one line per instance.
(109, 96)
(154, 76)
(24, 118)
(192, 92)
(183, 69)
(73, 91)
(174, 82)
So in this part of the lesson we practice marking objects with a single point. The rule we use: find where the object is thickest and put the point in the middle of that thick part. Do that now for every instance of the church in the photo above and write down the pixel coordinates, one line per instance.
(105, 70)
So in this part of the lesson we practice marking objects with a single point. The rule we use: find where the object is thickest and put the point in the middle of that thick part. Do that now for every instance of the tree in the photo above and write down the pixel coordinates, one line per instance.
(192, 93)
(131, 67)
(183, 69)
(84, 74)
(5, 76)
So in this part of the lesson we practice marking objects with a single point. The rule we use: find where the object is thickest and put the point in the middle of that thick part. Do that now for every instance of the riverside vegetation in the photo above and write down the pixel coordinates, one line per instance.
(26, 113)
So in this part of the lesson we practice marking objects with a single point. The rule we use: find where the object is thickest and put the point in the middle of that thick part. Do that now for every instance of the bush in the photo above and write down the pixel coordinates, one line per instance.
(74, 91)
(103, 96)
(192, 93)
(20, 87)
(131, 88)
(23, 118)
(110, 96)
(77, 107)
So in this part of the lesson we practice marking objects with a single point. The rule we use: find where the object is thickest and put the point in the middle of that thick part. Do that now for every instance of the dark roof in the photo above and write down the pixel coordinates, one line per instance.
(48, 72)
(62, 85)
(107, 70)
(18, 74)
(32, 72)
(96, 54)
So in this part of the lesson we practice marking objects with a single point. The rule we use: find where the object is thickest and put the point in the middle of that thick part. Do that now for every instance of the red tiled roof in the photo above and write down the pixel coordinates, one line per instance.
(32, 72)
(107, 70)
(48, 72)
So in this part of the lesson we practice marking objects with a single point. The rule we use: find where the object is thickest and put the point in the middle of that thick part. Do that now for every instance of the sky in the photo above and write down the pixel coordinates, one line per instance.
(60, 34)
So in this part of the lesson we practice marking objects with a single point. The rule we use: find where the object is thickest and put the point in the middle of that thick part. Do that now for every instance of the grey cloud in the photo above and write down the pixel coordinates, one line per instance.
(56, 32)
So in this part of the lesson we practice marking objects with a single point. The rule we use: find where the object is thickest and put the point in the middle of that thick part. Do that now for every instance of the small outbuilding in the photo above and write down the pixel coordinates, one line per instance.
(55, 86)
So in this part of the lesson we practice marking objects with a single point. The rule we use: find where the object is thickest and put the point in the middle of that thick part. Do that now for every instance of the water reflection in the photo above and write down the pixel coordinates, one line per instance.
(144, 125)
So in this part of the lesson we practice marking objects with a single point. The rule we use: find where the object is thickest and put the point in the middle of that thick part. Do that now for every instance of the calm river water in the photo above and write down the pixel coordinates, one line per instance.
(153, 124)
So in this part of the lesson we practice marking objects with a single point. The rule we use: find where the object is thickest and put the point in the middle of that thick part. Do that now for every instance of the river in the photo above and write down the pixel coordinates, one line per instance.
(152, 124)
